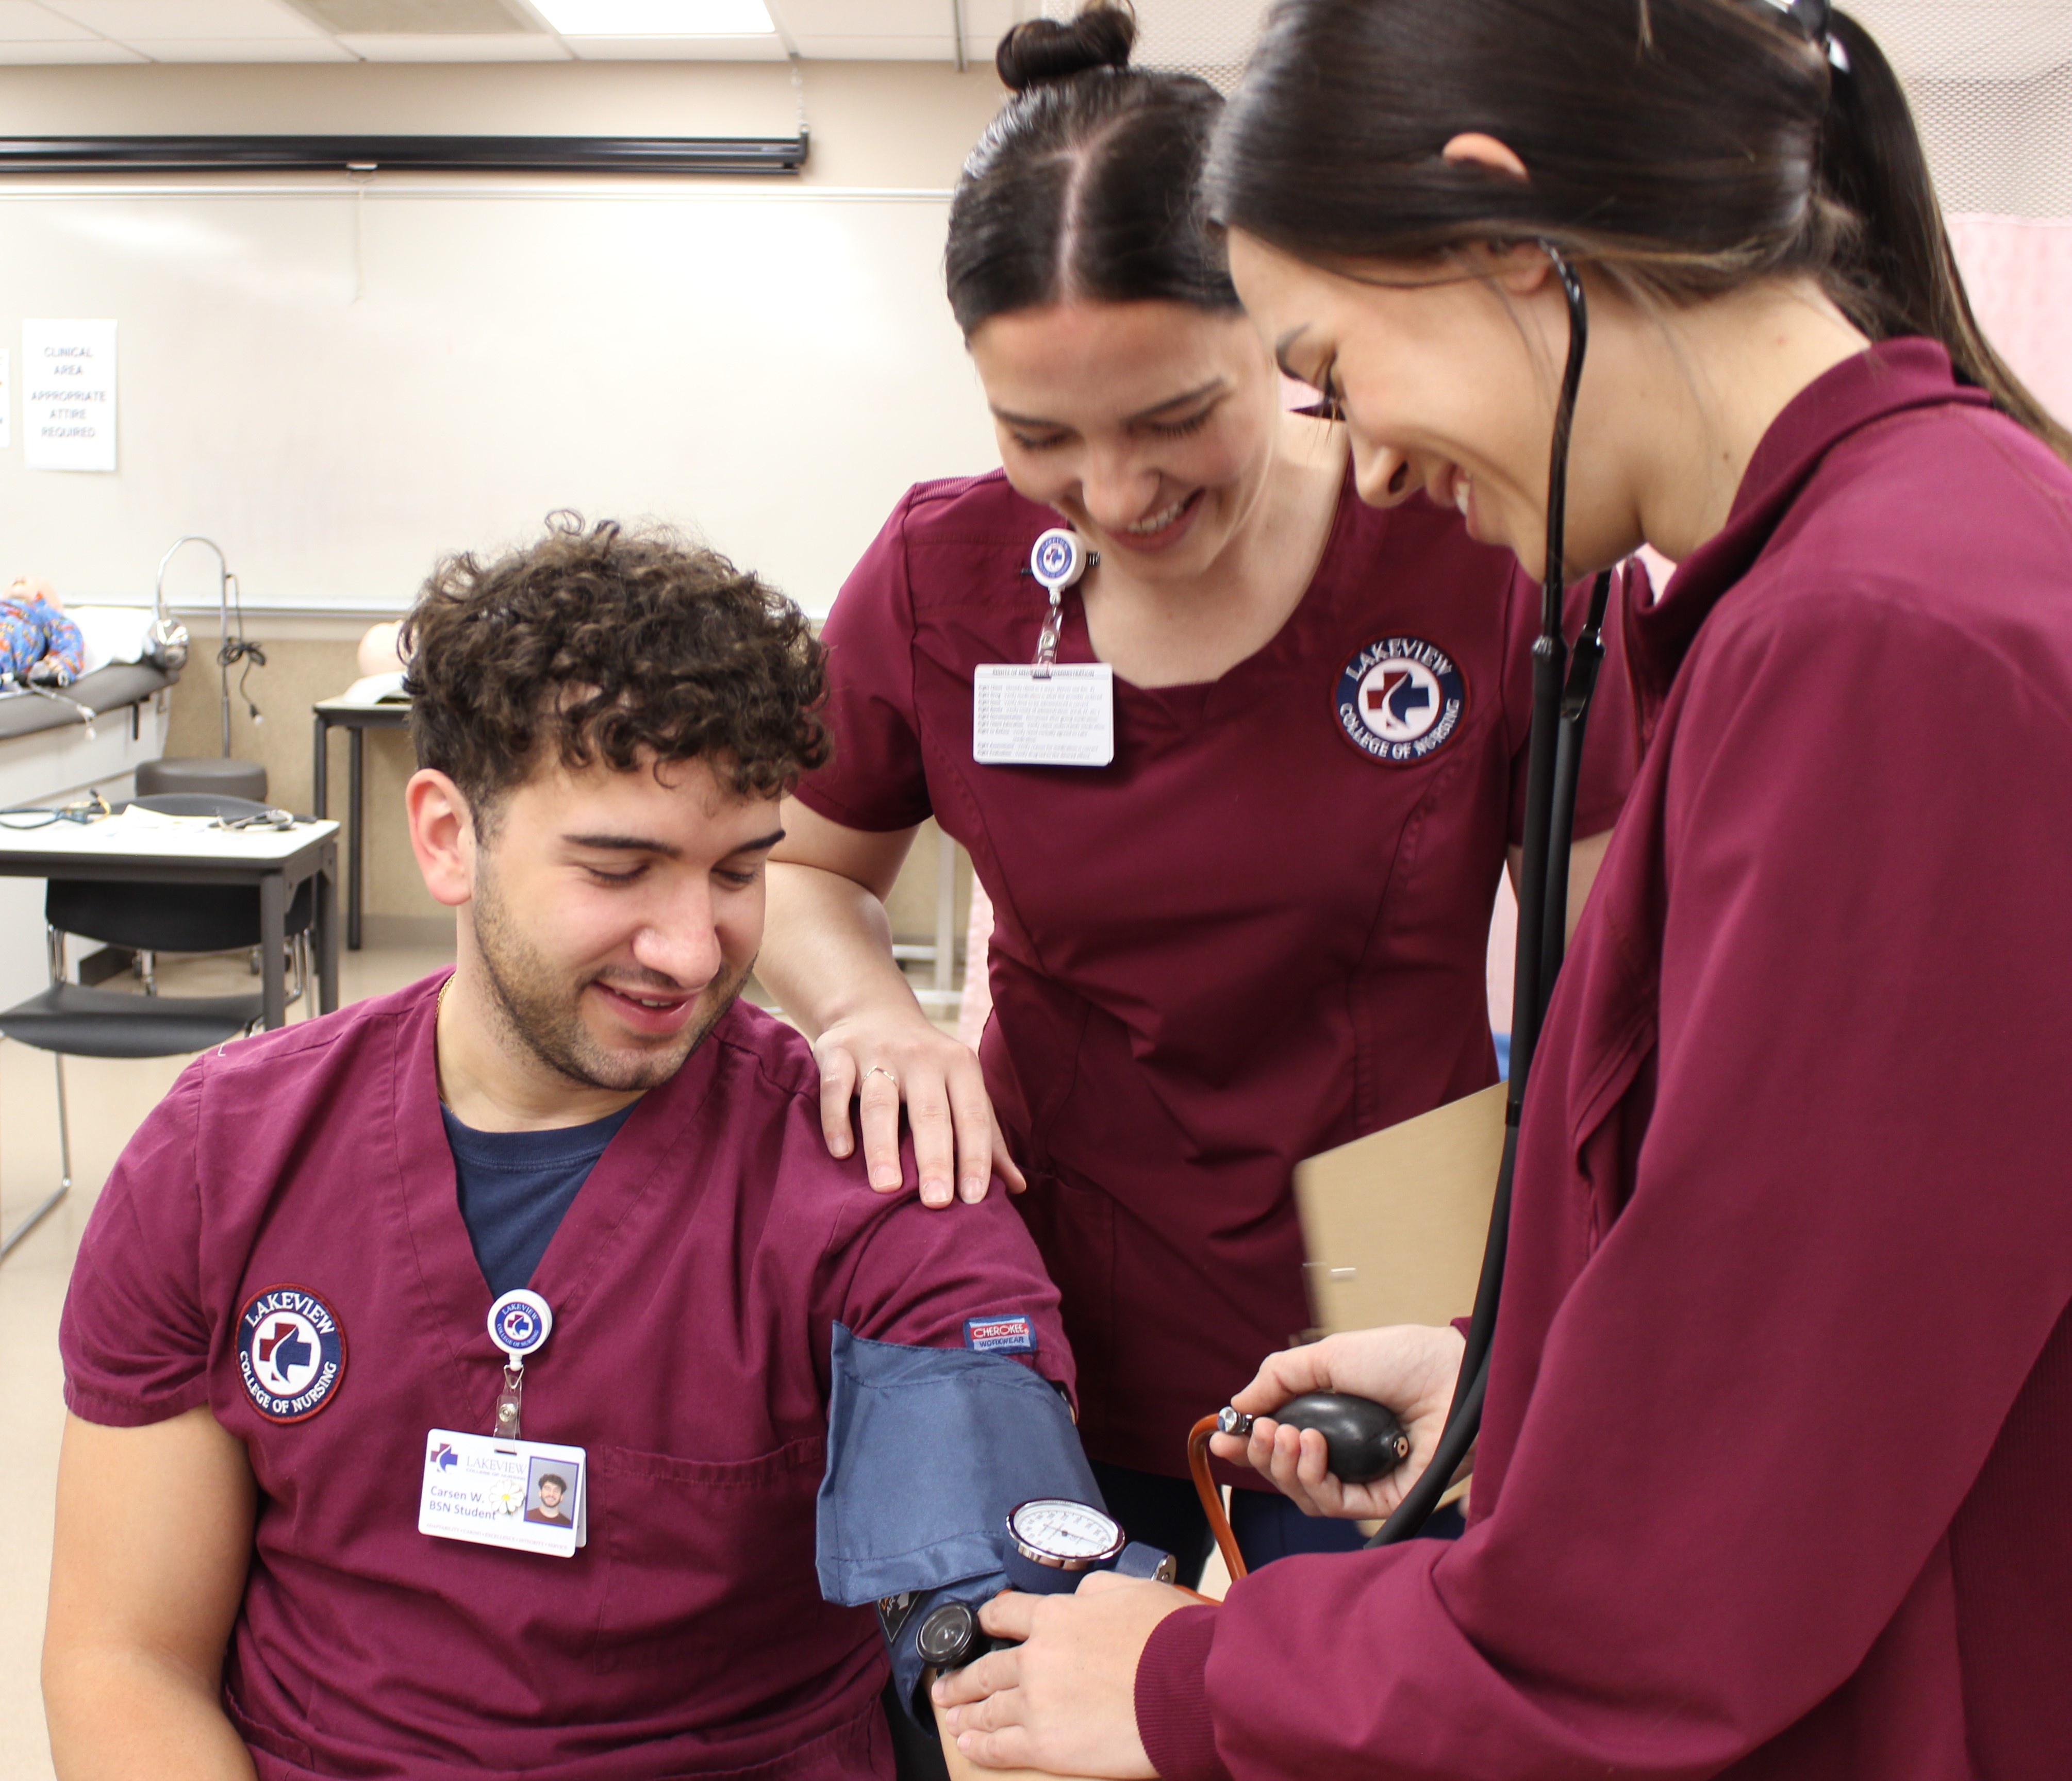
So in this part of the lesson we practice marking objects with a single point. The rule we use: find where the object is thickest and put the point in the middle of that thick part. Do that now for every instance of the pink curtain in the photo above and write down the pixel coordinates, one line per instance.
(2019, 273)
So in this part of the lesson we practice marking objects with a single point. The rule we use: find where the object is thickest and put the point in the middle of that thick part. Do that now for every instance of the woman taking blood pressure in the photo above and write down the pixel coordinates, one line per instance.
(1243, 898)
(1772, 1477)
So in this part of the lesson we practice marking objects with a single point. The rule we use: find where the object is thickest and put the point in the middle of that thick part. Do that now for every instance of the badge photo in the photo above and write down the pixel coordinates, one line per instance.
(1400, 700)
(290, 1352)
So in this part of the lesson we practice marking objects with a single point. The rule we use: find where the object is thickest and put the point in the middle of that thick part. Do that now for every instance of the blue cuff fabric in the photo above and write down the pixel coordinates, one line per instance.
(928, 1450)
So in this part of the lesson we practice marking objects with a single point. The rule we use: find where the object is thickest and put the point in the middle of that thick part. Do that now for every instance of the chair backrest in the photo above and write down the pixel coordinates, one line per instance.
(171, 917)
(155, 917)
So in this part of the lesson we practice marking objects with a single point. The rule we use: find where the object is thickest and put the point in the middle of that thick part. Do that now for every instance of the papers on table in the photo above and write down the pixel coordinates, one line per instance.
(374, 689)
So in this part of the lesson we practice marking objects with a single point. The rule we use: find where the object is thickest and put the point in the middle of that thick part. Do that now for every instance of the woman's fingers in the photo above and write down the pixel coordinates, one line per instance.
(929, 1117)
(837, 1089)
(1410, 1369)
(881, 1064)
(1285, 1374)
(878, 1095)
(970, 1112)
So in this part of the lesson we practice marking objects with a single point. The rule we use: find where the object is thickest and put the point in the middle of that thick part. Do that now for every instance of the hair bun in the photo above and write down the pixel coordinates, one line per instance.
(1042, 50)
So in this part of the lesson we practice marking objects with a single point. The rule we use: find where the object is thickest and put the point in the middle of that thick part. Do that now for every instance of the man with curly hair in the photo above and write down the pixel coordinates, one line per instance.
(567, 1204)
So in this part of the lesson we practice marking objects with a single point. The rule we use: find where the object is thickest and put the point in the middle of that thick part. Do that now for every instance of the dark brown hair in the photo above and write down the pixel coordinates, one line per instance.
(1684, 147)
(601, 644)
(1085, 184)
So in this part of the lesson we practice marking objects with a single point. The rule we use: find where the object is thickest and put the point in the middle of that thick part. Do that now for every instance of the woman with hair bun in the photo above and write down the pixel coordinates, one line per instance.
(1260, 928)
(1772, 1478)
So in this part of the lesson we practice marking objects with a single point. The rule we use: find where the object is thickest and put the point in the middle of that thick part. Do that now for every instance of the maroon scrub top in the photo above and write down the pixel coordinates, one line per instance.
(695, 1281)
(1246, 941)
(1774, 1477)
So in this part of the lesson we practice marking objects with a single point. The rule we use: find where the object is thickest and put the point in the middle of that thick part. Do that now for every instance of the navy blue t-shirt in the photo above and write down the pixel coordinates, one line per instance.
(515, 1186)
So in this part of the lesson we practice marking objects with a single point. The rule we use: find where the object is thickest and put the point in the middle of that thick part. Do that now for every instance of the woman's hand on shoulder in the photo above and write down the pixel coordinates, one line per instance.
(1411, 1368)
(880, 1058)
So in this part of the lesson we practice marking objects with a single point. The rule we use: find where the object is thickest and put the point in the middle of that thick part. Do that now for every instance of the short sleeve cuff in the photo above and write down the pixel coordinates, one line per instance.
(119, 1410)
(1173, 1697)
(883, 820)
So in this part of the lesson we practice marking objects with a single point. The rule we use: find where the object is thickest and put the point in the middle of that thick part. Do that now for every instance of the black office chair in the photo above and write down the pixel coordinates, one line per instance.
(72, 1019)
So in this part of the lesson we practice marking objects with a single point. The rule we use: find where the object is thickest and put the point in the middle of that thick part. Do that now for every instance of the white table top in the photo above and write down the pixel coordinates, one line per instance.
(180, 839)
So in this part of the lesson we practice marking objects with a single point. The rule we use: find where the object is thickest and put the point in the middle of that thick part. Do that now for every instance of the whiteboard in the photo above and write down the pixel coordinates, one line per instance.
(340, 385)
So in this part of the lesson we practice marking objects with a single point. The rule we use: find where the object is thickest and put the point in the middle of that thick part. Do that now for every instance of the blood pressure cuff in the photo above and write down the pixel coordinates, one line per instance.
(928, 1451)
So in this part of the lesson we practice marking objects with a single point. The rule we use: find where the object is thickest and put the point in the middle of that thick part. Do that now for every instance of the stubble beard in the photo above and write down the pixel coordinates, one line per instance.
(539, 1014)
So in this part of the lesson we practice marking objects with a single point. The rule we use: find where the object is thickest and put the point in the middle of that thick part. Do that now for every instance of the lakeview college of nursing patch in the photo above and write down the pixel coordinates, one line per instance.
(291, 1353)
(1401, 701)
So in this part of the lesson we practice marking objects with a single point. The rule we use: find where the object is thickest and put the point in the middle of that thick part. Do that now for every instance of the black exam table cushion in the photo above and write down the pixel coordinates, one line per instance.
(105, 690)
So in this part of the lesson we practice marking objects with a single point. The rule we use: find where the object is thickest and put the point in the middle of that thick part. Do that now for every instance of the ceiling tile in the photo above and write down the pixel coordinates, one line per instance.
(416, 18)
(766, 47)
(22, 22)
(937, 48)
(83, 49)
(161, 21)
(867, 18)
(242, 49)
(472, 47)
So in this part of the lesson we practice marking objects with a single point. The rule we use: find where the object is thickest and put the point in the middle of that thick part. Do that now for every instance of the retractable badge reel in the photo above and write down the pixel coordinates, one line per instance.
(518, 1323)
(1046, 714)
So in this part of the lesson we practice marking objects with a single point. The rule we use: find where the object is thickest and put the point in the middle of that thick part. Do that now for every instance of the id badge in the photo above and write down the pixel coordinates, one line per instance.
(1060, 715)
(528, 1495)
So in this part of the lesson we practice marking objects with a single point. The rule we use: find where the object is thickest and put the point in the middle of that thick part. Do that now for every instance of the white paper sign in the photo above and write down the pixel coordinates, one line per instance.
(6, 404)
(68, 395)
(1064, 719)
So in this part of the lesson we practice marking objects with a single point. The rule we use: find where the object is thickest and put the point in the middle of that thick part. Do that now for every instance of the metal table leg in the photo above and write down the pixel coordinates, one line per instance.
(355, 796)
(320, 770)
(273, 947)
(324, 919)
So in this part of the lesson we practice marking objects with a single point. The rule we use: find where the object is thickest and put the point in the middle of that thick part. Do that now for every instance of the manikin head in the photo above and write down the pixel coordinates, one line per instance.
(1127, 392)
(605, 722)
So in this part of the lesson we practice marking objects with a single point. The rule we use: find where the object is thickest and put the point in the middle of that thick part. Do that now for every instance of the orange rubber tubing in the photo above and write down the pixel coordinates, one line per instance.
(1212, 1499)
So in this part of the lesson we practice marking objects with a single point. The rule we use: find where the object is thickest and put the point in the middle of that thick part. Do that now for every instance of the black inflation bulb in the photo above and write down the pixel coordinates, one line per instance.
(1361, 1438)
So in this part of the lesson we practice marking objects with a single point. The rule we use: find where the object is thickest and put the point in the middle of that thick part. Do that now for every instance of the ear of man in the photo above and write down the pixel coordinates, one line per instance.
(442, 835)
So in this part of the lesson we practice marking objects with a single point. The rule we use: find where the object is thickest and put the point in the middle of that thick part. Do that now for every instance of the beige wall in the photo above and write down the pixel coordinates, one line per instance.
(873, 125)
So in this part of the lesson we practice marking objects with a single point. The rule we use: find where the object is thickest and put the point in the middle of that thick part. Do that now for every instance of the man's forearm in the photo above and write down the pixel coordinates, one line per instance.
(123, 1715)
(827, 949)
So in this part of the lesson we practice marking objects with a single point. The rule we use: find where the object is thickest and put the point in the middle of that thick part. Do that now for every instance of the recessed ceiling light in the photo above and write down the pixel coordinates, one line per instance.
(657, 18)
